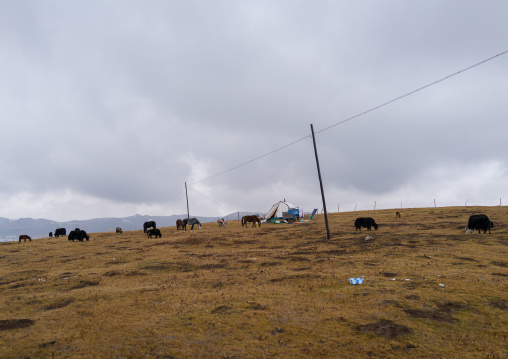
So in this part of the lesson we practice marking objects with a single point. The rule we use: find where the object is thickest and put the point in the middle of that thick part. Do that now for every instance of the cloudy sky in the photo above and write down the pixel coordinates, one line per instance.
(108, 107)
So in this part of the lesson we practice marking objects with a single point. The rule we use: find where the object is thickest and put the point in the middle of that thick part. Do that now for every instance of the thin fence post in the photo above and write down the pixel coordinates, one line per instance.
(374, 205)
(355, 206)
(434, 203)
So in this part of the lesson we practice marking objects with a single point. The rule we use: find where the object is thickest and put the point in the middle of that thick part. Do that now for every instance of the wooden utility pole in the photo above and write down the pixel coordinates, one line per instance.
(187, 197)
(320, 183)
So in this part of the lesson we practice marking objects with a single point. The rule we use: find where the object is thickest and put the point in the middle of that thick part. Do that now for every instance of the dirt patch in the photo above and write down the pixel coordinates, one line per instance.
(256, 306)
(112, 273)
(500, 264)
(467, 259)
(443, 313)
(47, 344)
(277, 331)
(85, 283)
(500, 274)
(223, 309)
(135, 272)
(413, 297)
(10, 324)
(335, 252)
(371, 264)
(299, 276)
(385, 328)
(499, 304)
(168, 266)
(270, 264)
(299, 259)
(213, 266)
(20, 285)
(389, 274)
(60, 304)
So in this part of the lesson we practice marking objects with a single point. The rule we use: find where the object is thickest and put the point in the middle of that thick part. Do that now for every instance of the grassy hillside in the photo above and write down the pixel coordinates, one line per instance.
(279, 291)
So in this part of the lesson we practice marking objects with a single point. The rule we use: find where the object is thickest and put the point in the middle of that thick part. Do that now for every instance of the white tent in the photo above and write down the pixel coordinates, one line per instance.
(278, 208)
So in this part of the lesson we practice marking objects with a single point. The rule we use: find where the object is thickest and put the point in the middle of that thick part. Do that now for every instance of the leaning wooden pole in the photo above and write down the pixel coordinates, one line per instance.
(187, 197)
(320, 183)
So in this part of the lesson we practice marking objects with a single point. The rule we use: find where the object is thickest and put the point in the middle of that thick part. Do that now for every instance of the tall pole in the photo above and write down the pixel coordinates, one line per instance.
(320, 183)
(187, 197)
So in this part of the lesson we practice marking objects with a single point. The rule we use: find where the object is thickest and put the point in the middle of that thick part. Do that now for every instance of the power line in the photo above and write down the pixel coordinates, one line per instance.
(412, 92)
(355, 116)
(211, 200)
(255, 159)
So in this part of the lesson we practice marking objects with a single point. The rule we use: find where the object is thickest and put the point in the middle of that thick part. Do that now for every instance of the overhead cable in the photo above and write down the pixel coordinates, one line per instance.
(355, 116)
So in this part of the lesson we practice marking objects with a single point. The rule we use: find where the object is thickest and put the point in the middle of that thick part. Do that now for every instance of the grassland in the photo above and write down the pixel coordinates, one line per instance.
(279, 291)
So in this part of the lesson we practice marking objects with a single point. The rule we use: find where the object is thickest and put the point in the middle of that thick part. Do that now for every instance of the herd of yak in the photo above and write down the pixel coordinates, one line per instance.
(479, 222)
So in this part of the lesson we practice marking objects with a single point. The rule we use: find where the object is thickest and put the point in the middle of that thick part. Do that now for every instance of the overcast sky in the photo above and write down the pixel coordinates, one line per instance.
(108, 107)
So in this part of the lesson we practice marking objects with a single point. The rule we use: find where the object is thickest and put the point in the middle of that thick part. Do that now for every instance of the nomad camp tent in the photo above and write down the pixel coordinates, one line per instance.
(279, 208)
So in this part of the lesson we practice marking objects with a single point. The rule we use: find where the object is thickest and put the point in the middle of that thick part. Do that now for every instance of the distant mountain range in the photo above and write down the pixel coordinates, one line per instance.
(10, 229)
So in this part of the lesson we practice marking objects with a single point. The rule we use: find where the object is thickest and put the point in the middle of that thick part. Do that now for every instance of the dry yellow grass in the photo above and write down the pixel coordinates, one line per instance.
(279, 291)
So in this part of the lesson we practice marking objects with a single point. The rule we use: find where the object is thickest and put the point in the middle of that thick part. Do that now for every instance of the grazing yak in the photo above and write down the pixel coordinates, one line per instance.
(50, 234)
(149, 224)
(154, 232)
(191, 221)
(25, 237)
(479, 222)
(78, 234)
(365, 222)
(119, 230)
(60, 232)
(179, 224)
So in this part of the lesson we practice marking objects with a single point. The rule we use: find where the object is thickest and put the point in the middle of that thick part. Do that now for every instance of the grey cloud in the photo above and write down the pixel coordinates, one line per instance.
(126, 101)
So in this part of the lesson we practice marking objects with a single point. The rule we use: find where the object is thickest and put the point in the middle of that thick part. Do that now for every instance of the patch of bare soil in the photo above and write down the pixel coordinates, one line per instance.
(385, 328)
(213, 266)
(499, 304)
(299, 276)
(223, 309)
(60, 304)
(277, 331)
(299, 259)
(443, 313)
(180, 266)
(47, 344)
(467, 259)
(257, 306)
(500, 264)
(85, 283)
(389, 274)
(10, 324)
